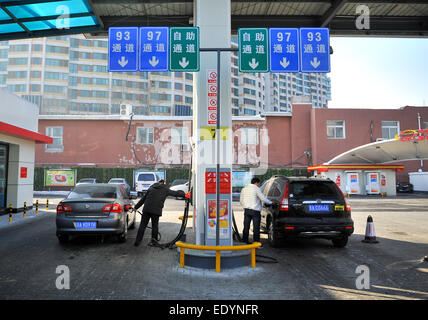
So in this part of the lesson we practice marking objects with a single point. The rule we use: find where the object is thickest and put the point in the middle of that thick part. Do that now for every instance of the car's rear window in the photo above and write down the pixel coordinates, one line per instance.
(116, 181)
(146, 177)
(86, 180)
(177, 182)
(314, 190)
(84, 192)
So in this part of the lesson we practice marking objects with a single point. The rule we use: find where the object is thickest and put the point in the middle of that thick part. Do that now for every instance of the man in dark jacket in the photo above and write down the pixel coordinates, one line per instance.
(153, 201)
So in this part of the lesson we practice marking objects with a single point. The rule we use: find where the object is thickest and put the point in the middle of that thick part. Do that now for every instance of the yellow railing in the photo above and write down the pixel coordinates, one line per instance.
(218, 250)
(182, 217)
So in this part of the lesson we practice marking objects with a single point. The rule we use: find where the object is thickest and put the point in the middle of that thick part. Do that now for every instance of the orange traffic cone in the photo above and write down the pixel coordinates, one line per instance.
(370, 231)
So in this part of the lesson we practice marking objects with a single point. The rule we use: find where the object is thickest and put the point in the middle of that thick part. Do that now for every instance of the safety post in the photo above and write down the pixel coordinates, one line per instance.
(25, 209)
(10, 213)
(47, 204)
(37, 206)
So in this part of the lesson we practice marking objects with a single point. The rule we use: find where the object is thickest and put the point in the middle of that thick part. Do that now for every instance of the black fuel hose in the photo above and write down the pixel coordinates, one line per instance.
(171, 244)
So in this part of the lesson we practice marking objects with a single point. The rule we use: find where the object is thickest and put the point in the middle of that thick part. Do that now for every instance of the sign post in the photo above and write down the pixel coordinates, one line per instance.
(123, 49)
(184, 49)
(253, 46)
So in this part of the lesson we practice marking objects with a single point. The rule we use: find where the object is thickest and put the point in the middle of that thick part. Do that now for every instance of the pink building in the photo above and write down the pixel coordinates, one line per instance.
(304, 138)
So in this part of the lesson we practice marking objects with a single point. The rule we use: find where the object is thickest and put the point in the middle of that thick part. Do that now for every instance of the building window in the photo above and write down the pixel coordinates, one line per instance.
(249, 135)
(425, 125)
(390, 129)
(335, 129)
(56, 134)
(144, 135)
(180, 135)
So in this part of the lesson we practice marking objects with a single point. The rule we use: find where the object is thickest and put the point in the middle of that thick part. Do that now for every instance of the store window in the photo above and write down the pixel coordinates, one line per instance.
(144, 135)
(336, 129)
(390, 129)
(56, 133)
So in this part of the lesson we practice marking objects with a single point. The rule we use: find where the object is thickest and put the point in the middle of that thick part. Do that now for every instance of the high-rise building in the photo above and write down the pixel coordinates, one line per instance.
(68, 75)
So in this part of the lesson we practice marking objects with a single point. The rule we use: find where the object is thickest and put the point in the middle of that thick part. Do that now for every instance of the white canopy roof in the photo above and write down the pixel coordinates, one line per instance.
(384, 152)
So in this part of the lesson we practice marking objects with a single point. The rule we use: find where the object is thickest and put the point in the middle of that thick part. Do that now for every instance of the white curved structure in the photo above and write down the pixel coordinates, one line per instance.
(384, 152)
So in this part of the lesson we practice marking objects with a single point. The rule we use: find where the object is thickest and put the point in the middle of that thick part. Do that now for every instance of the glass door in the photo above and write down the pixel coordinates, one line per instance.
(3, 174)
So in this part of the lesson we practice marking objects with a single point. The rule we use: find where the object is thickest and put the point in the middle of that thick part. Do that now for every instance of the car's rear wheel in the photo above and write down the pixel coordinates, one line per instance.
(273, 237)
(124, 235)
(63, 238)
(341, 242)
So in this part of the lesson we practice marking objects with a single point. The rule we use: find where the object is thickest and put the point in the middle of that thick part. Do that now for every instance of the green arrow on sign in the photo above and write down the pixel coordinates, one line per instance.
(184, 49)
(253, 46)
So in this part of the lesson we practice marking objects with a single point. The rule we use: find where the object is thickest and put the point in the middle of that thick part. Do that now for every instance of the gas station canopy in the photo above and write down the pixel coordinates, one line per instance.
(383, 152)
(37, 18)
(34, 18)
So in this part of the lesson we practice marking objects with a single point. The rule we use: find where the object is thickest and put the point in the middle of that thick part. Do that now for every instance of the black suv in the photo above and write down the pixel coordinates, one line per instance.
(306, 207)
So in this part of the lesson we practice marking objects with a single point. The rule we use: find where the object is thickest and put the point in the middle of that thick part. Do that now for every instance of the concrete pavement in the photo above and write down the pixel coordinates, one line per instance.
(306, 269)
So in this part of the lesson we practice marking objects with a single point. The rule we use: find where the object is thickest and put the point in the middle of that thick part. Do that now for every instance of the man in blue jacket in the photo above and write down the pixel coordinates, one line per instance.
(153, 201)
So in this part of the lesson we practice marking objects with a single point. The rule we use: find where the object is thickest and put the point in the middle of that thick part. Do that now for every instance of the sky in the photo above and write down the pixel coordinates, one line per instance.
(378, 72)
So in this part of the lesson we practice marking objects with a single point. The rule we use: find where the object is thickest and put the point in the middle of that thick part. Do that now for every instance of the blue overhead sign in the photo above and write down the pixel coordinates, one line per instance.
(123, 49)
(284, 49)
(315, 50)
(154, 48)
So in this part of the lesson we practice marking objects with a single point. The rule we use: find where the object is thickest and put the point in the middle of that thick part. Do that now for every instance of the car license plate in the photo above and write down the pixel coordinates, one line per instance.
(86, 225)
(146, 186)
(319, 208)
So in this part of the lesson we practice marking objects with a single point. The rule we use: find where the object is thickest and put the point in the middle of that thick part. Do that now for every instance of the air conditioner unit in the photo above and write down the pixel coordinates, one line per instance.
(185, 147)
(125, 110)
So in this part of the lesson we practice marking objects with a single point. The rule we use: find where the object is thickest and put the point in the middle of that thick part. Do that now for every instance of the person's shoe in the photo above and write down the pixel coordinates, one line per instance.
(137, 243)
(246, 241)
(153, 243)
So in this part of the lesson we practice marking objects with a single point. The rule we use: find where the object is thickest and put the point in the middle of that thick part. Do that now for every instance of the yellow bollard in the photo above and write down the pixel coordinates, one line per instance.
(10, 213)
(253, 258)
(37, 206)
(25, 209)
(217, 260)
(181, 257)
(47, 203)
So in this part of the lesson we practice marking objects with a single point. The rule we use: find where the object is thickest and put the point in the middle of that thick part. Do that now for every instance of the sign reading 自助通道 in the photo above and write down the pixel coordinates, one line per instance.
(184, 49)
(253, 45)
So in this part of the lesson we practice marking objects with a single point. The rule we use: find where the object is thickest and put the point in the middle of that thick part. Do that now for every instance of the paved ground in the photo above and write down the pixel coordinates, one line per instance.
(306, 269)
